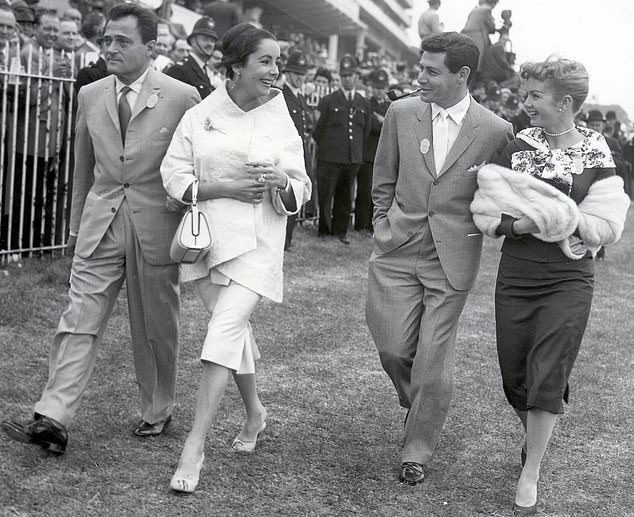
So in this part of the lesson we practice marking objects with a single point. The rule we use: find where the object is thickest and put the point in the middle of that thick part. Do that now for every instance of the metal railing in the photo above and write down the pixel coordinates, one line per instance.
(37, 105)
(36, 155)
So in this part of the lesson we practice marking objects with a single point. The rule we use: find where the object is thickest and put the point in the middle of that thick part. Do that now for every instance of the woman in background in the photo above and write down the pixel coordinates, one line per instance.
(557, 205)
(241, 145)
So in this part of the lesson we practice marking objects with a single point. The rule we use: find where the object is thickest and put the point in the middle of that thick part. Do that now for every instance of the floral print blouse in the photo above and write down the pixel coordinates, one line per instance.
(561, 165)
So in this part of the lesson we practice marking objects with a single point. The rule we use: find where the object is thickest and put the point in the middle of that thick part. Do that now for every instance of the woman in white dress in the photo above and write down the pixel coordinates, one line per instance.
(241, 145)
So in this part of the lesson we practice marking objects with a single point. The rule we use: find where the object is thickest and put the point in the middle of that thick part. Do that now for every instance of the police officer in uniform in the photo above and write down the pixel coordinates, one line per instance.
(295, 71)
(193, 69)
(378, 107)
(342, 126)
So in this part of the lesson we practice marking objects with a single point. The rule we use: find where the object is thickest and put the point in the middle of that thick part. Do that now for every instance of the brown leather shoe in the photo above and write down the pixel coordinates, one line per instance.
(411, 473)
(144, 429)
(42, 430)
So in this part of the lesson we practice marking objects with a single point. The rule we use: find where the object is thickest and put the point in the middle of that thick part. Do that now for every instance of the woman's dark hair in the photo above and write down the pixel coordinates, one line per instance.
(239, 42)
(460, 50)
(565, 76)
(147, 21)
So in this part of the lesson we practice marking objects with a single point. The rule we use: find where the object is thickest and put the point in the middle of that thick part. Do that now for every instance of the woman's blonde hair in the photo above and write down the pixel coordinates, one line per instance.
(566, 77)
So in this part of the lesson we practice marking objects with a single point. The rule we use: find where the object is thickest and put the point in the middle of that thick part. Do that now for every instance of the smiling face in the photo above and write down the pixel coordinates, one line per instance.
(255, 78)
(541, 104)
(7, 26)
(127, 56)
(47, 31)
(438, 83)
(68, 35)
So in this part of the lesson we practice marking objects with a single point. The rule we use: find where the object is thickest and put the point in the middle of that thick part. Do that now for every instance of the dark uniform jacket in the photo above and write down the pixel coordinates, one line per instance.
(372, 140)
(302, 116)
(190, 72)
(342, 128)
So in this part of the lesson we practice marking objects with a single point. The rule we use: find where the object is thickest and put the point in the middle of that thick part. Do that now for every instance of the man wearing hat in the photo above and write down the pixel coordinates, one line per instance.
(342, 126)
(25, 18)
(295, 72)
(378, 107)
(193, 70)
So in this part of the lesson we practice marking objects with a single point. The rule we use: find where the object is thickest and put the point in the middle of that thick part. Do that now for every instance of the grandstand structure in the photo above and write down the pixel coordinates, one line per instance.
(347, 26)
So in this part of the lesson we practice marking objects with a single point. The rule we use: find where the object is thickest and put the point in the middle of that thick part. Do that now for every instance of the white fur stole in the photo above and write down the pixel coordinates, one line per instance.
(600, 216)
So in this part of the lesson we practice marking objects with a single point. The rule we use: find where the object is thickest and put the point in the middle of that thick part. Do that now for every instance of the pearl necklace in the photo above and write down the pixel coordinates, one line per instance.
(558, 134)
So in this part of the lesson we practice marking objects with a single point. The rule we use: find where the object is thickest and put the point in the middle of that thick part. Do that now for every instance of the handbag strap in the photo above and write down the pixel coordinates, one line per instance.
(195, 192)
(194, 209)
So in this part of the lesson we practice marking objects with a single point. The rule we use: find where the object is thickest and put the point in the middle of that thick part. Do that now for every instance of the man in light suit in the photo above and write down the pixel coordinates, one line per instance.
(123, 232)
(427, 247)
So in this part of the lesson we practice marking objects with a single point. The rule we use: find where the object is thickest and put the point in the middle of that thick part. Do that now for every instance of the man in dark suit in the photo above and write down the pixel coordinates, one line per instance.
(193, 70)
(378, 107)
(342, 126)
(122, 230)
(302, 115)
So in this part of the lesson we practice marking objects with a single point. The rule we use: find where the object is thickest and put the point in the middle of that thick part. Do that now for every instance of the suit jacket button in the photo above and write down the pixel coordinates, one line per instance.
(431, 213)
(113, 210)
(126, 185)
(435, 182)
(121, 158)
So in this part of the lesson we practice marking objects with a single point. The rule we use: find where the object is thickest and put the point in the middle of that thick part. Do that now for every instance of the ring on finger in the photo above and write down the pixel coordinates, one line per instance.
(262, 178)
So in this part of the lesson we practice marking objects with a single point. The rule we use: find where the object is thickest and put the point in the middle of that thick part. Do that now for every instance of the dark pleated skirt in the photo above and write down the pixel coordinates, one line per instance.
(541, 312)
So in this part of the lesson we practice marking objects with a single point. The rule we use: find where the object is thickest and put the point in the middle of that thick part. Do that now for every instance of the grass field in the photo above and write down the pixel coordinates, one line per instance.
(333, 440)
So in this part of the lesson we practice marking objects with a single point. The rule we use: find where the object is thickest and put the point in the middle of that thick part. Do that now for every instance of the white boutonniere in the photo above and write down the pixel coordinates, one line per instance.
(209, 126)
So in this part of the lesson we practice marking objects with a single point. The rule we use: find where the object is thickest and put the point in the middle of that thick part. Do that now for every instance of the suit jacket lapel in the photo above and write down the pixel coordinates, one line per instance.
(148, 89)
(110, 96)
(465, 137)
(424, 134)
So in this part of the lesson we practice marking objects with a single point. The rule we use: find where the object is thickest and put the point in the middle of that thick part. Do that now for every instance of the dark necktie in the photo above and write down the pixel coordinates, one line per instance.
(124, 112)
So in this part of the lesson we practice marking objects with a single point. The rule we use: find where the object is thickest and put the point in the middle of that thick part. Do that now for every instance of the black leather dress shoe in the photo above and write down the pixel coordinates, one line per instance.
(411, 473)
(42, 430)
(144, 429)
(344, 239)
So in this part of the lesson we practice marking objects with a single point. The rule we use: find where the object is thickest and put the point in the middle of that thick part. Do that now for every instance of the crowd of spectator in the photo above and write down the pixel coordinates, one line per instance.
(31, 30)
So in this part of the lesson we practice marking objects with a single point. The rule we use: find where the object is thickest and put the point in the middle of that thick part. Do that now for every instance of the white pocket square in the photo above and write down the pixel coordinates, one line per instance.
(475, 168)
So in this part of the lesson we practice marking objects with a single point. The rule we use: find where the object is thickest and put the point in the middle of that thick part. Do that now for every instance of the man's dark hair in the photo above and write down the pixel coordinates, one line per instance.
(147, 21)
(460, 50)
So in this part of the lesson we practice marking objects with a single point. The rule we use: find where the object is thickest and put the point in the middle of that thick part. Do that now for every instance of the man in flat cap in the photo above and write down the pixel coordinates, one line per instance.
(295, 72)
(378, 103)
(342, 126)
(194, 69)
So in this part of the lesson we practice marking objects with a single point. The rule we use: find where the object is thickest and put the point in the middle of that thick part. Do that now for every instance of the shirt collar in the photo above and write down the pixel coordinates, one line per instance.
(135, 86)
(457, 112)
